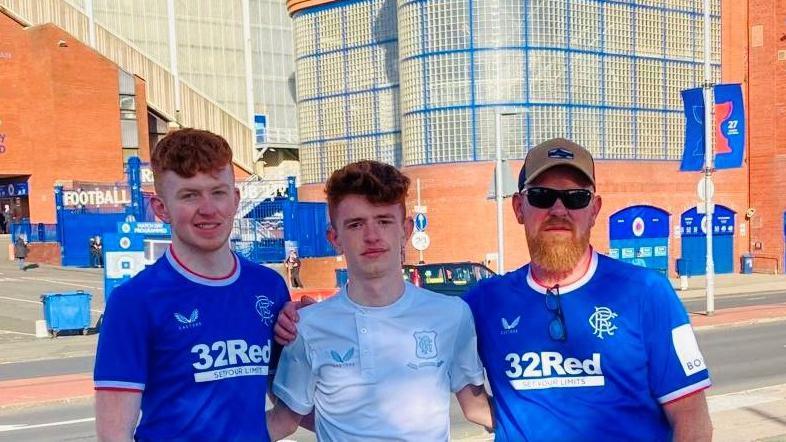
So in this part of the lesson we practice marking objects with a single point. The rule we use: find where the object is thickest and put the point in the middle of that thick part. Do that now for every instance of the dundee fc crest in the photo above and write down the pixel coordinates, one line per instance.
(426, 344)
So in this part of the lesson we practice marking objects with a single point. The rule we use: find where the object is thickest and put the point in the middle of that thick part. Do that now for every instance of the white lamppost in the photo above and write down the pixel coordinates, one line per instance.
(709, 157)
(498, 191)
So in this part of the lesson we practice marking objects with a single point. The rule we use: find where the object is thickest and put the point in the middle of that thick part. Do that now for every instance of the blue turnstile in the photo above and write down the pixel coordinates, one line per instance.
(640, 235)
(694, 240)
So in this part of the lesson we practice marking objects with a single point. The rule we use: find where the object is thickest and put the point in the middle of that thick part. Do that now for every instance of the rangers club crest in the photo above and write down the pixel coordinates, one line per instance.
(263, 307)
(601, 322)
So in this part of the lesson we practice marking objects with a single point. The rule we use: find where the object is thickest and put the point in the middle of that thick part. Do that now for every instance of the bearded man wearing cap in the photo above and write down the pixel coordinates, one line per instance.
(577, 345)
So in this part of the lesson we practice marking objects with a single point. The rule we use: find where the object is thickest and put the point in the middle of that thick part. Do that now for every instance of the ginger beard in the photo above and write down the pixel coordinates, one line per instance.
(554, 253)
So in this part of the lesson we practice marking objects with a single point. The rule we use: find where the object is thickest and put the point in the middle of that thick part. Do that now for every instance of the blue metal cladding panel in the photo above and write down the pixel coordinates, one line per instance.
(640, 235)
(694, 241)
(312, 223)
(78, 229)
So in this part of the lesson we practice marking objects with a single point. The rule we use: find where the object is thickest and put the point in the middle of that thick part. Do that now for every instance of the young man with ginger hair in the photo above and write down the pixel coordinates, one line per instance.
(188, 341)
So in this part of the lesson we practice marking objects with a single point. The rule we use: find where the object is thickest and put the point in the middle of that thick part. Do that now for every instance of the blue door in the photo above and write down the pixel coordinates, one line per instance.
(694, 240)
(640, 235)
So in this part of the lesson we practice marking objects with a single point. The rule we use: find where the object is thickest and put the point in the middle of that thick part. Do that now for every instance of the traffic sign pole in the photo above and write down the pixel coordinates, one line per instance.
(498, 191)
(420, 252)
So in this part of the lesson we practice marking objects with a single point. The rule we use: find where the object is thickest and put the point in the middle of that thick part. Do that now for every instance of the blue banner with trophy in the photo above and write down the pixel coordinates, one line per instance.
(729, 126)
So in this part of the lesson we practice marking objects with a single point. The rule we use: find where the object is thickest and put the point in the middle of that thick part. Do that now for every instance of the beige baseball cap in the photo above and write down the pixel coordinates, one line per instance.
(552, 153)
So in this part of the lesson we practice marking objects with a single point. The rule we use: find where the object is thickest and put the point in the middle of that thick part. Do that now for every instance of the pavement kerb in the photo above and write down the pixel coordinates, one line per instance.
(72, 400)
(732, 290)
(744, 323)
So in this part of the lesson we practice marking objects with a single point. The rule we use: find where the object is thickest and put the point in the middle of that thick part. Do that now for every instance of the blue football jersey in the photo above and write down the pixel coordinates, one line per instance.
(199, 349)
(629, 349)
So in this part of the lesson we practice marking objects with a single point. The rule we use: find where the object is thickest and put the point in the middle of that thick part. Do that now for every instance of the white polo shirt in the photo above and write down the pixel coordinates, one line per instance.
(380, 373)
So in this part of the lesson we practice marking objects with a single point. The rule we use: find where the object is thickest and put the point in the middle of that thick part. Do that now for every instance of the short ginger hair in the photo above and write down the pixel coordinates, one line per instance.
(187, 152)
(378, 182)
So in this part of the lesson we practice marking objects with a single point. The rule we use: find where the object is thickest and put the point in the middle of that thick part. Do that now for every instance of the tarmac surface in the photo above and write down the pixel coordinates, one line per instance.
(758, 414)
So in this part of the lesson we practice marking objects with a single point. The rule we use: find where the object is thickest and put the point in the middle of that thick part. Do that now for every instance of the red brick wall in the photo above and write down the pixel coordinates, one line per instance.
(60, 112)
(44, 253)
(766, 110)
(320, 272)
(462, 221)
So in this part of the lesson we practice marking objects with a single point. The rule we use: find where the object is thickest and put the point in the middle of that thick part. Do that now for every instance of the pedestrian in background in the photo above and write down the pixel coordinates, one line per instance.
(2, 224)
(96, 252)
(293, 269)
(99, 252)
(7, 218)
(91, 246)
(21, 250)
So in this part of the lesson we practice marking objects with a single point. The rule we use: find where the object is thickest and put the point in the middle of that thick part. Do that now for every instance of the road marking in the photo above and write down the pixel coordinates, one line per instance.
(61, 282)
(17, 427)
(11, 332)
(39, 302)
(20, 300)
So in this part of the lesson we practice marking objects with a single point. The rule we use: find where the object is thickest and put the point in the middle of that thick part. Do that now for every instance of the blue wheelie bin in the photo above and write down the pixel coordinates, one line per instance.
(341, 277)
(67, 311)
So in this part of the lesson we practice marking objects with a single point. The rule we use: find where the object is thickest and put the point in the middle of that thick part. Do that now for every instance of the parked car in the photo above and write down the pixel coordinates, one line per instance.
(451, 278)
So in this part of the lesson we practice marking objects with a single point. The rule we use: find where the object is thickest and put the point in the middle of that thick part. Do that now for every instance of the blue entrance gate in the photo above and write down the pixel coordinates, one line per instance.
(640, 235)
(271, 221)
(694, 240)
(86, 210)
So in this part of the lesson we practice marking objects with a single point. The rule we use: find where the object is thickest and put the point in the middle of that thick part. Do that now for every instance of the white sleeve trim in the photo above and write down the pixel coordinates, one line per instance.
(293, 404)
(477, 378)
(120, 384)
(685, 391)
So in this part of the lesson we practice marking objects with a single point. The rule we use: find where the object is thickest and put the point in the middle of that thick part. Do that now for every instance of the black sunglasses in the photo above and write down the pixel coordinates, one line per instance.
(544, 197)
(557, 329)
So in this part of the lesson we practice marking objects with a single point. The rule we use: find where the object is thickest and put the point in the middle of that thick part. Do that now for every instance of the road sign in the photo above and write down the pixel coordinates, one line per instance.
(420, 222)
(700, 208)
(509, 182)
(700, 189)
(420, 241)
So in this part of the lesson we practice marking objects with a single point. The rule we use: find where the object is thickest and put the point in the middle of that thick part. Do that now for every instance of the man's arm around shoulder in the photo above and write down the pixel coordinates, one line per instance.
(476, 406)
(281, 421)
(690, 418)
(117, 413)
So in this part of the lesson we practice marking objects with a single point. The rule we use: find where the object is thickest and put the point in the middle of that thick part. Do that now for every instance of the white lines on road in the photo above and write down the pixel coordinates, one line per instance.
(17, 427)
(39, 302)
(20, 300)
(54, 281)
(11, 332)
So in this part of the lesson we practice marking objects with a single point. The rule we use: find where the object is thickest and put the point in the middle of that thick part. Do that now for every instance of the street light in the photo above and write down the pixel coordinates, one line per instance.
(498, 114)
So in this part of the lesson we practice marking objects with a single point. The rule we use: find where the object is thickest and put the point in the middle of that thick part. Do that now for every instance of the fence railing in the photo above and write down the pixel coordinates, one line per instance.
(34, 232)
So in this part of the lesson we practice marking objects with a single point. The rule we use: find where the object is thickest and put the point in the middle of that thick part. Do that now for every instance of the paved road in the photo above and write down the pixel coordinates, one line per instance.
(729, 301)
(76, 423)
(740, 358)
